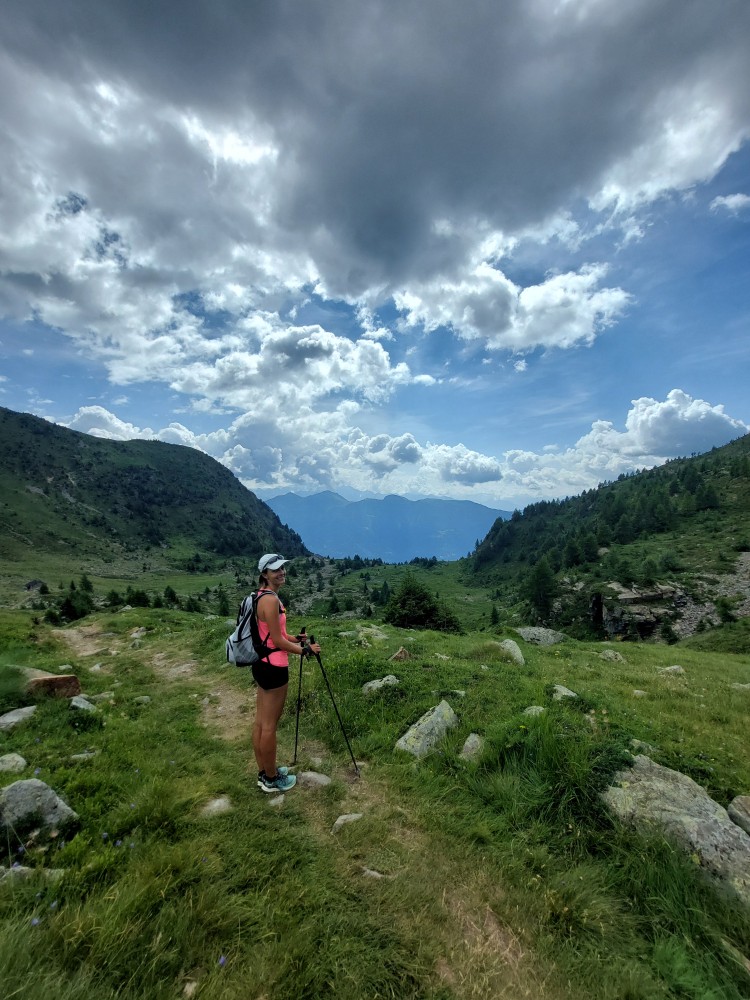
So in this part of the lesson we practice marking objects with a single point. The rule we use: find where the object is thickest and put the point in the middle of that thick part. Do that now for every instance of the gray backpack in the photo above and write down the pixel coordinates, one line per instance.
(245, 646)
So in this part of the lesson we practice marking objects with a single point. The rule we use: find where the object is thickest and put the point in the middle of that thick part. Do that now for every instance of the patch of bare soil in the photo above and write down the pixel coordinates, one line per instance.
(89, 640)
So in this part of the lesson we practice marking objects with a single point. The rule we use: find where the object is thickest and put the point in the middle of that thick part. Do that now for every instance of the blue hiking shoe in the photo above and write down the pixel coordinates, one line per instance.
(281, 783)
(279, 770)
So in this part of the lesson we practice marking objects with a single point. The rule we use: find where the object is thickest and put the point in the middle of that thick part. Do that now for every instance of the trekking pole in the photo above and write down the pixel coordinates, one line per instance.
(333, 702)
(299, 701)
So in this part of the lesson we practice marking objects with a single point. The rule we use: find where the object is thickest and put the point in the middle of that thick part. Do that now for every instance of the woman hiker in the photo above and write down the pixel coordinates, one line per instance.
(272, 674)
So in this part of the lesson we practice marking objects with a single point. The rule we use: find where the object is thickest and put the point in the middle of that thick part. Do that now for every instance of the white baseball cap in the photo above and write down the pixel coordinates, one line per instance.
(271, 560)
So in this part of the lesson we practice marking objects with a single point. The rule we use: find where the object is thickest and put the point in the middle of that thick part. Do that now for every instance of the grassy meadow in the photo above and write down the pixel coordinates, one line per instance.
(499, 877)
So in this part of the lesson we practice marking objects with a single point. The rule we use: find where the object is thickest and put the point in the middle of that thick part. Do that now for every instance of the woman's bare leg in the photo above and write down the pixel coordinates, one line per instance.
(268, 709)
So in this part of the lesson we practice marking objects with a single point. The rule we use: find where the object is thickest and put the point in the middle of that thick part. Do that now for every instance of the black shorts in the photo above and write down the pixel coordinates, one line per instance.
(269, 677)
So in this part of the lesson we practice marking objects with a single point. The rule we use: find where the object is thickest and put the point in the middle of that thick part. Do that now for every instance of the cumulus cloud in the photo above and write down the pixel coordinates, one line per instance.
(732, 203)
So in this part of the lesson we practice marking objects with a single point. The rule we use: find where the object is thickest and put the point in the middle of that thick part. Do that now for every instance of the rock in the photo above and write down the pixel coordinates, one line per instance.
(86, 755)
(143, 699)
(534, 710)
(741, 687)
(30, 804)
(561, 692)
(371, 873)
(421, 738)
(739, 812)
(388, 681)
(218, 806)
(401, 654)
(650, 795)
(612, 656)
(637, 693)
(472, 746)
(138, 633)
(541, 636)
(12, 719)
(676, 669)
(513, 650)
(312, 779)
(343, 820)
(12, 763)
(23, 872)
(81, 704)
(40, 684)
(102, 696)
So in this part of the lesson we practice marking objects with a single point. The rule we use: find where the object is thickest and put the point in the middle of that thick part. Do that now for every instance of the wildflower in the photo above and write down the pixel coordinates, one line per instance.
(53, 905)
(105, 835)
(34, 921)
(37, 770)
(222, 960)
(118, 843)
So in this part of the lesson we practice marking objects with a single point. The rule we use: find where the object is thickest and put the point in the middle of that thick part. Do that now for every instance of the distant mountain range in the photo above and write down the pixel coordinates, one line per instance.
(392, 529)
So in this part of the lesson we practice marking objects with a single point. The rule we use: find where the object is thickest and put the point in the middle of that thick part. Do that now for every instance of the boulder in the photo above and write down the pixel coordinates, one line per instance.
(388, 681)
(313, 779)
(534, 710)
(612, 656)
(12, 719)
(649, 795)
(12, 763)
(739, 812)
(676, 669)
(513, 650)
(472, 746)
(421, 738)
(53, 686)
(541, 636)
(31, 804)
(561, 692)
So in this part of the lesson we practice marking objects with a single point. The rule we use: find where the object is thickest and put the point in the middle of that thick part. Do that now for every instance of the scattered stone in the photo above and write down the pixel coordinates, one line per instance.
(472, 746)
(741, 687)
(12, 719)
(541, 636)
(137, 633)
(217, 807)
(313, 779)
(277, 801)
(643, 747)
(676, 669)
(637, 693)
(142, 699)
(103, 696)
(612, 656)
(534, 710)
(86, 755)
(388, 681)
(371, 873)
(401, 654)
(96, 669)
(31, 804)
(12, 763)
(739, 812)
(650, 795)
(429, 730)
(81, 704)
(343, 820)
(561, 692)
(511, 647)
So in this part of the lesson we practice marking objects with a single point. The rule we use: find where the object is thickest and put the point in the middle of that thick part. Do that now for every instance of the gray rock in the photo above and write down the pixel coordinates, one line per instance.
(649, 795)
(676, 669)
(143, 699)
(22, 872)
(343, 820)
(739, 812)
(81, 704)
(534, 710)
(86, 755)
(513, 650)
(541, 636)
(421, 738)
(12, 763)
(371, 873)
(472, 746)
(401, 654)
(312, 779)
(741, 687)
(637, 693)
(103, 696)
(388, 681)
(612, 656)
(12, 719)
(561, 692)
(31, 803)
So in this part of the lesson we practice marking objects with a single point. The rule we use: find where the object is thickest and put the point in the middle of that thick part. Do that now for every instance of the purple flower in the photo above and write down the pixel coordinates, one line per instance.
(222, 960)
(118, 843)
(53, 905)
(37, 770)
(34, 921)
(105, 835)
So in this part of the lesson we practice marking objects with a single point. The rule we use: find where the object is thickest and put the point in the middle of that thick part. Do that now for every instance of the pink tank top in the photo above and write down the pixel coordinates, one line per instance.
(280, 657)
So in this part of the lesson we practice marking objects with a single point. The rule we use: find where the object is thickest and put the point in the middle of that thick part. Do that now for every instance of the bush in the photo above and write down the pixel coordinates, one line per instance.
(413, 606)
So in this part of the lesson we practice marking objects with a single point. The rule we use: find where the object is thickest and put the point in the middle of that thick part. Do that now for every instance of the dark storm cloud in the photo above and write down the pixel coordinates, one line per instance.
(391, 119)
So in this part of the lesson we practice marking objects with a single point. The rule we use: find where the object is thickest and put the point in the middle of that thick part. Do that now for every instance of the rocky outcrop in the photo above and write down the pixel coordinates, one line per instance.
(31, 804)
(649, 795)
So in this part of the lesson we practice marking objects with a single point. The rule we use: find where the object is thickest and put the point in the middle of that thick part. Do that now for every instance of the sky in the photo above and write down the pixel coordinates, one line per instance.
(496, 251)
